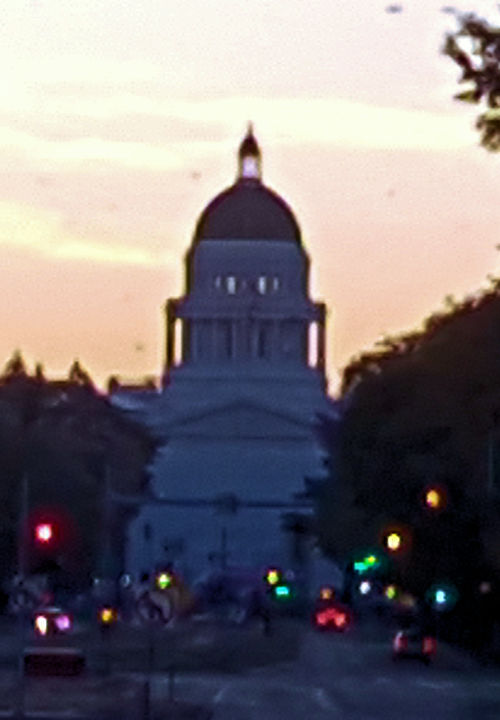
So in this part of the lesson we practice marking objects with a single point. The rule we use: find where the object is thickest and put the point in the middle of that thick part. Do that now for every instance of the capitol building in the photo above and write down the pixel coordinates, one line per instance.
(244, 384)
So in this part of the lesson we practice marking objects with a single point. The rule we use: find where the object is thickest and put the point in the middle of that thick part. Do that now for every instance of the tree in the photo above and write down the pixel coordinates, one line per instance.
(68, 440)
(422, 411)
(475, 48)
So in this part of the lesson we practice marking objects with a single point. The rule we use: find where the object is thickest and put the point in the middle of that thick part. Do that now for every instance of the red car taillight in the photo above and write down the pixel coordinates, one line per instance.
(400, 642)
(429, 645)
(321, 619)
(340, 620)
(332, 615)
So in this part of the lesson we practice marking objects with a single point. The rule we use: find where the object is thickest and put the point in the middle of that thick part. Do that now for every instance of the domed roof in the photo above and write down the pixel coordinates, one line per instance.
(247, 210)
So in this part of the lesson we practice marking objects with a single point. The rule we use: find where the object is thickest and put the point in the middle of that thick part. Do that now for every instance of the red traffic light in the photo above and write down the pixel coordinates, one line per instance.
(44, 533)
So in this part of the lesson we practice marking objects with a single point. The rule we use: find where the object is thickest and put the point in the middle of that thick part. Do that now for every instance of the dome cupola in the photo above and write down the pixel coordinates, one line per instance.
(249, 157)
(248, 210)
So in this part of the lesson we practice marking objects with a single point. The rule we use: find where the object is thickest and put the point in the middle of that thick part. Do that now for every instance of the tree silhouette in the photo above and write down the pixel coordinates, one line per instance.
(423, 408)
(475, 48)
(15, 366)
(78, 376)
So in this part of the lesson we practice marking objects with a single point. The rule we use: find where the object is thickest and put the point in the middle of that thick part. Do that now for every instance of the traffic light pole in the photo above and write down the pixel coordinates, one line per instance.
(22, 550)
(22, 563)
(106, 522)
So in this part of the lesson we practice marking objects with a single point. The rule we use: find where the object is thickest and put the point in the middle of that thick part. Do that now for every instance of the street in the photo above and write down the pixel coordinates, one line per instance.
(347, 676)
(350, 677)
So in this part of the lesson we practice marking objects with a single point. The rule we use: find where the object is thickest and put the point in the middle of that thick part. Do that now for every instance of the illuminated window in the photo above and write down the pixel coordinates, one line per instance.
(262, 285)
(231, 284)
(218, 282)
(276, 283)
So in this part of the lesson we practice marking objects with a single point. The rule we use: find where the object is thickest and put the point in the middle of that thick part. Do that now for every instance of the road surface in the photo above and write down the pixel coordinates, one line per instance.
(350, 677)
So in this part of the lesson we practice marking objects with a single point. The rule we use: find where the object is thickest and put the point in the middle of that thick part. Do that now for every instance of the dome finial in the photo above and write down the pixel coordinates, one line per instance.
(249, 157)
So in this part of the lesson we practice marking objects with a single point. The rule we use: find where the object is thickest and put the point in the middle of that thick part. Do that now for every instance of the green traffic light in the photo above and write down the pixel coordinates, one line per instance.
(369, 562)
(163, 580)
(442, 596)
(273, 576)
(282, 591)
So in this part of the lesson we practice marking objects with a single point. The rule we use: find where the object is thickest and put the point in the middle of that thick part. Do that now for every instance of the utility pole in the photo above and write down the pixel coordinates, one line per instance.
(22, 549)
(491, 460)
(22, 567)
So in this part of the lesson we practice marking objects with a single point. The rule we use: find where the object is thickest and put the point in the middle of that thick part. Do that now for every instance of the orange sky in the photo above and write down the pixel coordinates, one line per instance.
(118, 123)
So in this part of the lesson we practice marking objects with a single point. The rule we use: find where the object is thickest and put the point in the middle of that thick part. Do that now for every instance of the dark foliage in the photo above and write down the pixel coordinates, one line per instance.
(423, 410)
(68, 440)
(475, 48)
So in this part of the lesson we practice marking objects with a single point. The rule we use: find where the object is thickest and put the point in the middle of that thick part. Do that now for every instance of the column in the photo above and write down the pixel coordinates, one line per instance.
(186, 339)
(213, 349)
(321, 338)
(235, 346)
(170, 339)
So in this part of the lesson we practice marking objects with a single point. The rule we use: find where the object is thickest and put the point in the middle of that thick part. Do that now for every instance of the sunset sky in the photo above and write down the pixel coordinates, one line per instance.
(119, 121)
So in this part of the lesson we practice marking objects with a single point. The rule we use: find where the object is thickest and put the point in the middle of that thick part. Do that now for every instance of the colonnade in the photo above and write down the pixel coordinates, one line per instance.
(274, 338)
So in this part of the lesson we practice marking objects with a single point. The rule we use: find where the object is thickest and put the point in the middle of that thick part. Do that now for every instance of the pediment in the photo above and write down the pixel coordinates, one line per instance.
(240, 419)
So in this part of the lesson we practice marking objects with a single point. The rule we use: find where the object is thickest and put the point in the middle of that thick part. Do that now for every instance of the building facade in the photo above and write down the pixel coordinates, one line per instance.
(244, 384)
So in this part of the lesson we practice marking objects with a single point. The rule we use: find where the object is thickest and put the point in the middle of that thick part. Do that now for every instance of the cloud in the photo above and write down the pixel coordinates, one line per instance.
(41, 232)
(329, 122)
(87, 149)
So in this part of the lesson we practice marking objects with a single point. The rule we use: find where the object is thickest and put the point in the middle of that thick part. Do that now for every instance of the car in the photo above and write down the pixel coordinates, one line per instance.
(414, 643)
(331, 616)
(52, 621)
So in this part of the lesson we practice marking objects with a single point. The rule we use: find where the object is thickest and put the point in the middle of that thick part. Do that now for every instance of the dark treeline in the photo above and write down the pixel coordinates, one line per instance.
(423, 410)
(67, 440)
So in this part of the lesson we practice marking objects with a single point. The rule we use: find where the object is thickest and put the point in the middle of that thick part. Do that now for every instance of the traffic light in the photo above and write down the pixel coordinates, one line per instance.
(391, 592)
(273, 576)
(107, 616)
(282, 591)
(393, 541)
(164, 580)
(44, 533)
(327, 593)
(365, 587)
(370, 561)
(442, 596)
(434, 498)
